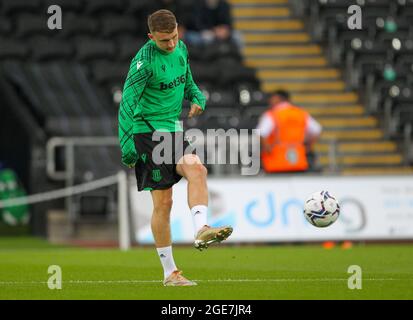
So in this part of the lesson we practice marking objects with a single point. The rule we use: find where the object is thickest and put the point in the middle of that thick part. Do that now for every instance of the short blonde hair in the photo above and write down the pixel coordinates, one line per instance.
(162, 21)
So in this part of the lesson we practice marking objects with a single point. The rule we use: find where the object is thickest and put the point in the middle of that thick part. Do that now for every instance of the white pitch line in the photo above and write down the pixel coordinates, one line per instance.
(200, 280)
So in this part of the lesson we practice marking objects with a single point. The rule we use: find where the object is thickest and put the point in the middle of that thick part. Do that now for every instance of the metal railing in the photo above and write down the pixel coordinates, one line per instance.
(68, 173)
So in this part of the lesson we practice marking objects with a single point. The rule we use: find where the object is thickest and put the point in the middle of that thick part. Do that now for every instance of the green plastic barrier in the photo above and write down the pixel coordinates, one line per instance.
(11, 188)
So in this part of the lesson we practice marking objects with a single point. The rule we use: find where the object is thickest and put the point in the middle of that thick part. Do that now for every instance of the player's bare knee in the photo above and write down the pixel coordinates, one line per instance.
(197, 172)
(164, 206)
(190, 159)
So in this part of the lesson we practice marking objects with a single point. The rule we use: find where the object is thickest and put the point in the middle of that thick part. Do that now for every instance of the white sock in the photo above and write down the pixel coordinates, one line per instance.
(167, 260)
(199, 217)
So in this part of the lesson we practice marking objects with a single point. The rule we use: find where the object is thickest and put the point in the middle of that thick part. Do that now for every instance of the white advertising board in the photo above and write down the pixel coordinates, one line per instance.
(269, 209)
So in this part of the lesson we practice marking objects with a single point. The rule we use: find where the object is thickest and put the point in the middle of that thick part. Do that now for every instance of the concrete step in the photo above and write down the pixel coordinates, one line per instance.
(348, 122)
(401, 170)
(275, 38)
(366, 160)
(285, 63)
(345, 110)
(357, 147)
(299, 74)
(353, 135)
(313, 86)
(252, 2)
(263, 12)
(326, 98)
(269, 24)
(282, 50)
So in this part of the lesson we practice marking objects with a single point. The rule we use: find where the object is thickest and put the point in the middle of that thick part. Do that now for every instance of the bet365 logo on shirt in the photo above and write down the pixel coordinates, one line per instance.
(177, 81)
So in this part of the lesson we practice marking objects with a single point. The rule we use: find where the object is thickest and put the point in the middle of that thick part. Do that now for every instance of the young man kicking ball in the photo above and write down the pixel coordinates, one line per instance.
(159, 79)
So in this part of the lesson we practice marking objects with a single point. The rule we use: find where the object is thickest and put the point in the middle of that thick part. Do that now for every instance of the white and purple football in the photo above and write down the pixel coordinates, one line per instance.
(321, 209)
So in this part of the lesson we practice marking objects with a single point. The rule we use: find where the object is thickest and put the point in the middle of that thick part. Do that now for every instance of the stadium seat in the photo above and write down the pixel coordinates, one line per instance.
(405, 52)
(221, 99)
(403, 115)
(115, 25)
(340, 41)
(81, 126)
(362, 53)
(249, 95)
(202, 72)
(405, 62)
(137, 7)
(251, 116)
(196, 53)
(12, 49)
(12, 7)
(44, 49)
(104, 6)
(91, 49)
(324, 12)
(128, 47)
(75, 25)
(32, 24)
(108, 72)
(221, 118)
(220, 50)
(66, 5)
(233, 72)
(5, 27)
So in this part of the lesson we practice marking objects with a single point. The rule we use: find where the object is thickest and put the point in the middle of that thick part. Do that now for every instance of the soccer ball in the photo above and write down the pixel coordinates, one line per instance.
(321, 209)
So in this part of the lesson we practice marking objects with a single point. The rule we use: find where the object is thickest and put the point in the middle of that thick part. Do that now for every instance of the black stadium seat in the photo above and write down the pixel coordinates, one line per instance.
(12, 7)
(75, 25)
(221, 50)
(104, 6)
(221, 118)
(127, 47)
(249, 95)
(108, 72)
(203, 72)
(115, 25)
(5, 27)
(221, 99)
(91, 49)
(81, 126)
(44, 49)
(66, 5)
(232, 72)
(251, 116)
(12, 49)
(137, 6)
(32, 24)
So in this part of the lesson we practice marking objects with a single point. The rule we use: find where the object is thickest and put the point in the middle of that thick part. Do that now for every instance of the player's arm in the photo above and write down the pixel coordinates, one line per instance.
(193, 94)
(138, 76)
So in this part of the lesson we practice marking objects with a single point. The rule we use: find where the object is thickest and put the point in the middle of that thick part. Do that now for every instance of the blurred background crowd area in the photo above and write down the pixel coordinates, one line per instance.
(68, 82)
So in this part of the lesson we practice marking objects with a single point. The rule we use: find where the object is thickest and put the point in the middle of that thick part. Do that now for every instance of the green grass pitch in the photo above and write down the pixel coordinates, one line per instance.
(222, 272)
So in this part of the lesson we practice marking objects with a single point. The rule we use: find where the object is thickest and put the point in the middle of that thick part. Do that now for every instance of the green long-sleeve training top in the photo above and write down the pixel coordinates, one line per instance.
(154, 90)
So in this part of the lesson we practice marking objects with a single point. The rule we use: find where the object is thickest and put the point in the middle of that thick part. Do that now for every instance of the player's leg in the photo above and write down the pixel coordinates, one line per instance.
(160, 223)
(161, 230)
(191, 167)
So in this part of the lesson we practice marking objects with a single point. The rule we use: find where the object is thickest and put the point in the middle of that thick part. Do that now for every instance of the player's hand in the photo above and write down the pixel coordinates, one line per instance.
(130, 166)
(195, 110)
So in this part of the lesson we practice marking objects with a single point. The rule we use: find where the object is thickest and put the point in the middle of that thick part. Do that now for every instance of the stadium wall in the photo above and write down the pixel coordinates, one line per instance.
(22, 148)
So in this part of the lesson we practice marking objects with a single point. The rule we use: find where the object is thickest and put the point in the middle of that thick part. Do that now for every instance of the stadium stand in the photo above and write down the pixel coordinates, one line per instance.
(68, 82)
(365, 72)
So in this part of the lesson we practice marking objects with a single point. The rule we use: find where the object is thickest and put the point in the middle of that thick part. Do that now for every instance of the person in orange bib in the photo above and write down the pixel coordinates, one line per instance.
(287, 133)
